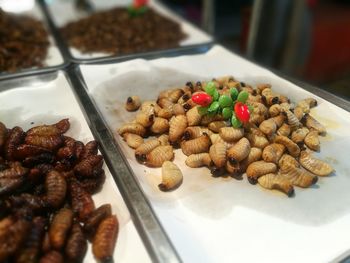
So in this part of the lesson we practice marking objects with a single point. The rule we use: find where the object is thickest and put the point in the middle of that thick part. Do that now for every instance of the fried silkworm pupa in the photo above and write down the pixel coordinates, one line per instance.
(91, 148)
(95, 218)
(273, 152)
(134, 128)
(268, 127)
(31, 161)
(239, 151)
(56, 188)
(105, 238)
(275, 110)
(86, 167)
(284, 130)
(277, 182)
(178, 124)
(165, 113)
(197, 145)
(47, 130)
(12, 234)
(291, 146)
(312, 141)
(299, 135)
(144, 119)
(193, 132)
(307, 104)
(76, 246)
(312, 123)
(254, 155)
(217, 153)
(215, 126)
(160, 125)
(198, 160)
(171, 177)
(259, 168)
(297, 176)
(164, 139)
(50, 142)
(52, 256)
(132, 103)
(230, 134)
(159, 155)
(178, 109)
(315, 165)
(292, 120)
(133, 140)
(193, 116)
(30, 249)
(12, 178)
(286, 161)
(14, 138)
(3, 135)
(25, 150)
(59, 228)
(81, 200)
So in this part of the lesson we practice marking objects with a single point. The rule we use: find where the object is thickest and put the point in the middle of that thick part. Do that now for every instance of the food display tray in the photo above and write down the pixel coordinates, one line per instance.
(64, 11)
(54, 60)
(223, 219)
(45, 99)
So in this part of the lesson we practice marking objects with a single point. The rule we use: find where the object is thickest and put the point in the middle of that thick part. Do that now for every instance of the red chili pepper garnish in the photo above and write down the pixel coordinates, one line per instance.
(139, 3)
(202, 99)
(242, 112)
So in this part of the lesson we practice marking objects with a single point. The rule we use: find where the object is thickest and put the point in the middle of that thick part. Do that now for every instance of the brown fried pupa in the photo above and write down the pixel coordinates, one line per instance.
(76, 245)
(59, 228)
(56, 189)
(52, 256)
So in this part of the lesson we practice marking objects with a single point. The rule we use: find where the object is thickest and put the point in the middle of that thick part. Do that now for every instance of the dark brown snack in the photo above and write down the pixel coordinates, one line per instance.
(81, 200)
(31, 202)
(86, 167)
(56, 188)
(54, 129)
(94, 184)
(12, 234)
(29, 251)
(25, 150)
(50, 142)
(59, 228)
(115, 31)
(91, 148)
(47, 158)
(76, 246)
(46, 245)
(12, 178)
(14, 139)
(23, 42)
(95, 218)
(105, 238)
(3, 135)
(52, 257)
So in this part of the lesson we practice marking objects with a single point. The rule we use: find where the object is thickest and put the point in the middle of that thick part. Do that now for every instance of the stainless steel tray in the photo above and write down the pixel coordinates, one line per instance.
(220, 220)
(54, 59)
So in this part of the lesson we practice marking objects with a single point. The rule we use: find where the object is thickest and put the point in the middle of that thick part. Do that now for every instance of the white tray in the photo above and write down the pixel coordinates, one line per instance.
(64, 11)
(26, 104)
(224, 220)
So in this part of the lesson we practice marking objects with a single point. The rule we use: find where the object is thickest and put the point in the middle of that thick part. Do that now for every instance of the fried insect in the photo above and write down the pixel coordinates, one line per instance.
(292, 147)
(198, 160)
(76, 246)
(144, 119)
(132, 103)
(275, 110)
(91, 148)
(146, 148)
(178, 109)
(292, 120)
(95, 218)
(299, 113)
(105, 238)
(150, 107)
(299, 135)
(12, 178)
(284, 130)
(276, 181)
(286, 161)
(14, 138)
(197, 145)
(259, 168)
(50, 142)
(239, 151)
(313, 124)
(30, 249)
(165, 103)
(86, 167)
(3, 135)
(56, 188)
(217, 153)
(135, 128)
(82, 203)
(297, 176)
(307, 104)
(59, 228)
(171, 176)
(160, 125)
(312, 141)
(52, 256)
(234, 169)
(253, 156)
(215, 126)
(164, 139)
(230, 134)
(48, 130)
(178, 124)
(268, 127)
(216, 138)
(133, 140)
(257, 139)
(193, 116)
(31, 161)
(193, 132)
(315, 165)
(159, 155)
(273, 152)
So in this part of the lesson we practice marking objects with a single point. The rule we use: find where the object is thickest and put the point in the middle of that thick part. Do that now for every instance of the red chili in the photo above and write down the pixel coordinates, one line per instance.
(242, 112)
(139, 3)
(202, 99)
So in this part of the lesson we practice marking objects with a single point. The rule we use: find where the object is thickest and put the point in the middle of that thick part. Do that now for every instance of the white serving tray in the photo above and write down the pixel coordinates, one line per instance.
(225, 220)
(30, 102)
(64, 11)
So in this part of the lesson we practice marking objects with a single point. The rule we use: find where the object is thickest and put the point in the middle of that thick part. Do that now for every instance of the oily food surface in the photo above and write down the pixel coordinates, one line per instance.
(47, 213)
(116, 32)
(23, 42)
(273, 149)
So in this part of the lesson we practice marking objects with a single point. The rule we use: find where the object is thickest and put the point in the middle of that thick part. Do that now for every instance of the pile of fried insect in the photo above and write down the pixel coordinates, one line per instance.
(47, 213)
(233, 129)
